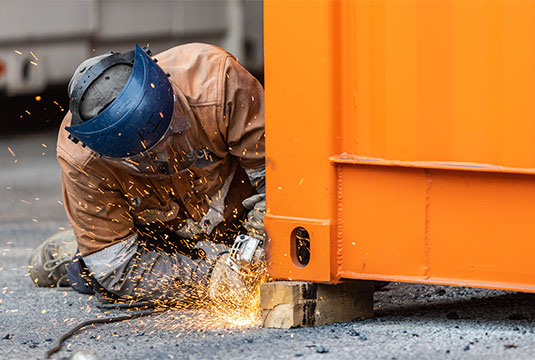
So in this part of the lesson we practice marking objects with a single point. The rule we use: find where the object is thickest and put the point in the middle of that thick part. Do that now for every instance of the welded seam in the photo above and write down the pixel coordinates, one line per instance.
(427, 236)
(339, 222)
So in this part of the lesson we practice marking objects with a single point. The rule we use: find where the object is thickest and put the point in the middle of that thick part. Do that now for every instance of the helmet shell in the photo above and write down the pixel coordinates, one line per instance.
(137, 119)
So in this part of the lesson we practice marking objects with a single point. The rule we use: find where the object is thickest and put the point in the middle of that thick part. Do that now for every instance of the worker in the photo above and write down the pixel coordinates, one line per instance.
(162, 163)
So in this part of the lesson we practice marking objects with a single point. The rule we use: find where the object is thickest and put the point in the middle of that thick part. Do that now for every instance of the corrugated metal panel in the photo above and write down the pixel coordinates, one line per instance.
(443, 80)
(402, 133)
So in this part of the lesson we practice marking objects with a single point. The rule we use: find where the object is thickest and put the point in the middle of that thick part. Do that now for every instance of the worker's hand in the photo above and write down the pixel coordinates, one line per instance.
(255, 218)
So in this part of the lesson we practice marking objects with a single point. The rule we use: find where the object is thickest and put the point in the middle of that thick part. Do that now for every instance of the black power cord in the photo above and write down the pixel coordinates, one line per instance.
(108, 320)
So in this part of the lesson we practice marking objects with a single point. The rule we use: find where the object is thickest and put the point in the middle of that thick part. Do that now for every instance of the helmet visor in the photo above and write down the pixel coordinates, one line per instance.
(171, 155)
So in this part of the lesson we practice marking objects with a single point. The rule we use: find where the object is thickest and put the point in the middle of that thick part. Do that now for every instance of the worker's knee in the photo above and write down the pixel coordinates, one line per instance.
(127, 271)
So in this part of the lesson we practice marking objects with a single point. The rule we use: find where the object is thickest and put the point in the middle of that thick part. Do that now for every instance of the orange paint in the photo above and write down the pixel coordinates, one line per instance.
(414, 126)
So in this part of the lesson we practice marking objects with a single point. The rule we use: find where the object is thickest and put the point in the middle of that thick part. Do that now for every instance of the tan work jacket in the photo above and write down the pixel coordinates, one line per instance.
(106, 205)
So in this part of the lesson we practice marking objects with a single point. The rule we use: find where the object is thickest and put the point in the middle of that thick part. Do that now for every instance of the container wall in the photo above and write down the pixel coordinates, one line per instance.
(441, 80)
(401, 136)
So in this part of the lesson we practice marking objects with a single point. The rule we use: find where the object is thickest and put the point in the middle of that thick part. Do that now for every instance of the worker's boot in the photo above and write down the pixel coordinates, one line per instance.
(48, 263)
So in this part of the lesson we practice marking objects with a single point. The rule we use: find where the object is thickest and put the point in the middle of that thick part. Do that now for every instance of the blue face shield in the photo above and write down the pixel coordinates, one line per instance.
(136, 120)
(145, 129)
(170, 156)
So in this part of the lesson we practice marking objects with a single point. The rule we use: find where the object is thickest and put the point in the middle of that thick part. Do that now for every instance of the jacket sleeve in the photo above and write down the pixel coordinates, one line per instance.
(97, 210)
(243, 115)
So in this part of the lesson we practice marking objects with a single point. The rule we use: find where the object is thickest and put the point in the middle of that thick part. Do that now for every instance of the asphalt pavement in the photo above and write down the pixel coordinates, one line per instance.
(412, 321)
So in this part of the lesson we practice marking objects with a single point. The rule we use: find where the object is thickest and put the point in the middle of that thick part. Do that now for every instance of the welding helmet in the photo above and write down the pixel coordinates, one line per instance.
(142, 126)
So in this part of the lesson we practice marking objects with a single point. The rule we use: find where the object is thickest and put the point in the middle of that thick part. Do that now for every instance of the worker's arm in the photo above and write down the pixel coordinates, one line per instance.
(111, 246)
(242, 121)
(244, 128)
(95, 206)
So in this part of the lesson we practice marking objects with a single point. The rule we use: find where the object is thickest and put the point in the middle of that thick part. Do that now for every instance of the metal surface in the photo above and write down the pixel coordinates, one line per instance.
(401, 136)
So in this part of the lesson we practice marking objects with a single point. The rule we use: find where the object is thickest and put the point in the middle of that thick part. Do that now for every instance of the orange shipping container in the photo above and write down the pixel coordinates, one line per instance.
(401, 137)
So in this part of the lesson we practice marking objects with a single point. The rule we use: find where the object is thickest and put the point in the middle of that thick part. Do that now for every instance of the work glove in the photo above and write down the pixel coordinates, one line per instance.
(254, 225)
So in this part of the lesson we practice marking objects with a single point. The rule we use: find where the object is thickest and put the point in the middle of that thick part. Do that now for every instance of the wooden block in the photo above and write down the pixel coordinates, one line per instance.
(287, 304)
(285, 292)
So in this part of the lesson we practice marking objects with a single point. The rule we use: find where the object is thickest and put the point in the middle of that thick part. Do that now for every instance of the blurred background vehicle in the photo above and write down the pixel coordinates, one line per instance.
(42, 42)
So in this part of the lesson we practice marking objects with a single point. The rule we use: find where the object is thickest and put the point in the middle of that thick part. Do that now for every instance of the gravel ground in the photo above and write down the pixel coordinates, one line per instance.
(412, 321)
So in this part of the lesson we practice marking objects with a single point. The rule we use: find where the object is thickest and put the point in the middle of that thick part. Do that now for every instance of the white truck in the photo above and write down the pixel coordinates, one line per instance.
(42, 41)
